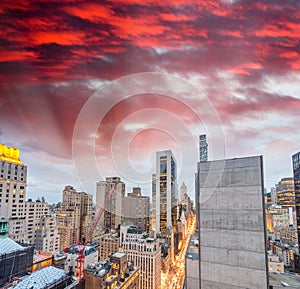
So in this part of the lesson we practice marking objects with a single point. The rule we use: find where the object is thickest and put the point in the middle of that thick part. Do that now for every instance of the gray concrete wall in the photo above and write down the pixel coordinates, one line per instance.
(232, 227)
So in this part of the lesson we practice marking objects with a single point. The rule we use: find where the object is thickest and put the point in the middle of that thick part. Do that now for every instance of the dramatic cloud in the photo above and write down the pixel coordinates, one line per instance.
(243, 55)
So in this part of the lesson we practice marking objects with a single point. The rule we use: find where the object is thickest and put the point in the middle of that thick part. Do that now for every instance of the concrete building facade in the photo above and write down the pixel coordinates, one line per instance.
(233, 253)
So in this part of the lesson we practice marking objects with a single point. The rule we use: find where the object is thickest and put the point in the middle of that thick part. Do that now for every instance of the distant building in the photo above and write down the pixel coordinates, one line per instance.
(113, 215)
(203, 152)
(165, 202)
(47, 238)
(296, 171)
(74, 217)
(183, 192)
(145, 253)
(108, 244)
(232, 233)
(285, 194)
(277, 218)
(117, 273)
(137, 209)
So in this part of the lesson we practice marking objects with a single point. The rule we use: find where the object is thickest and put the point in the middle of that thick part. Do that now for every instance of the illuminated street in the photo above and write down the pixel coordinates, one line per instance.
(174, 279)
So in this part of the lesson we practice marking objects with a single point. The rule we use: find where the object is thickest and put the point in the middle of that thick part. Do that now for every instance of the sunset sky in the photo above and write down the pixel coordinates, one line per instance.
(142, 76)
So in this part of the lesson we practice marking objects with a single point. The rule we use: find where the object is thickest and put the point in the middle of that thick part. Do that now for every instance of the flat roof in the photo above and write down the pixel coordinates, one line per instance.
(7, 246)
(42, 279)
(118, 254)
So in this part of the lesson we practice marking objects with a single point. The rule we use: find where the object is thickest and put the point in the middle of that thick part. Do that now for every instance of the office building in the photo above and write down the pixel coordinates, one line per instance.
(137, 209)
(113, 215)
(231, 219)
(74, 217)
(285, 194)
(203, 152)
(145, 253)
(108, 244)
(164, 201)
(296, 171)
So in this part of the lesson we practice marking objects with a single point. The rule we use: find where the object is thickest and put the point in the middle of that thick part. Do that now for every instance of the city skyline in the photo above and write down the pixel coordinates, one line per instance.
(242, 56)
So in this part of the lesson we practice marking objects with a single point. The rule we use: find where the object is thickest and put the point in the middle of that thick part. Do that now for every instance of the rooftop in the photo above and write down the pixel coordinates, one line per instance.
(7, 246)
(119, 254)
(42, 279)
(39, 257)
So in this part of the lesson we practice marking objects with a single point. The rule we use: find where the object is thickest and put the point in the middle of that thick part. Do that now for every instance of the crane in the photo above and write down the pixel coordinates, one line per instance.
(81, 248)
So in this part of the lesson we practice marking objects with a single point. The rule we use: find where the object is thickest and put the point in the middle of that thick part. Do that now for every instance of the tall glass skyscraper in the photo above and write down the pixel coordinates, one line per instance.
(164, 202)
(296, 170)
(203, 148)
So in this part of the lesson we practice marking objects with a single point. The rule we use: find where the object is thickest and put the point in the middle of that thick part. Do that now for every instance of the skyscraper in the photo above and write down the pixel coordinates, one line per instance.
(13, 178)
(203, 153)
(113, 215)
(164, 201)
(232, 229)
(296, 171)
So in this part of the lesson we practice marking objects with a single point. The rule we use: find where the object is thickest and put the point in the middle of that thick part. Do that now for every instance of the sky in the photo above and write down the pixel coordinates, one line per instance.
(93, 89)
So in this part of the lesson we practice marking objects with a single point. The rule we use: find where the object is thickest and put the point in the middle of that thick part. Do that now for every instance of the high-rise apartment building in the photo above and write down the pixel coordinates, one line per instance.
(285, 194)
(13, 177)
(74, 217)
(24, 218)
(232, 230)
(113, 215)
(145, 253)
(164, 200)
(137, 209)
(296, 171)
(203, 152)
